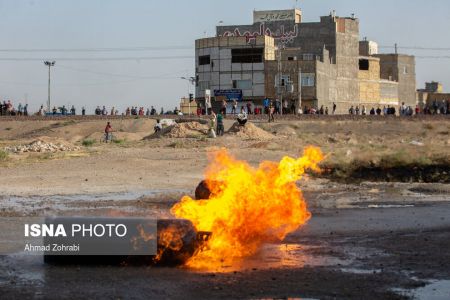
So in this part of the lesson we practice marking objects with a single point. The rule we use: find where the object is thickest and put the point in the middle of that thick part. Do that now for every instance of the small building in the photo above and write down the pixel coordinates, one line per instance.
(188, 107)
(432, 95)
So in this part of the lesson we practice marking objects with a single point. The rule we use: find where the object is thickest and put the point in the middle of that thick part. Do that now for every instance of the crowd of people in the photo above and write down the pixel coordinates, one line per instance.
(269, 107)
(8, 109)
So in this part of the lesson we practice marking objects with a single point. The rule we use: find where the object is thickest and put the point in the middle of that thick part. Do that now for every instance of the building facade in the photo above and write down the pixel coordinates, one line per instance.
(308, 64)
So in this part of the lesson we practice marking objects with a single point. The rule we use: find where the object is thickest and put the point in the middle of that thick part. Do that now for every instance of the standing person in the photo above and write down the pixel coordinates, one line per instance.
(285, 107)
(128, 111)
(83, 111)
(162, 111)
(108, 132)
(326, 110)
(266, 103)
(277, 106)
(224, 107)
(234, 107)
(334, 108)
(25, 110)
(293, 110)
(357, 110)
(364, 111)
(351, 111)
(220, 127)
(212, 126)
(271, 112)
(417, 109)
(104, 111)
(249, 107)
(1, 108)
(72, 110)
(379, 111)
(321, 111)
(19, 109)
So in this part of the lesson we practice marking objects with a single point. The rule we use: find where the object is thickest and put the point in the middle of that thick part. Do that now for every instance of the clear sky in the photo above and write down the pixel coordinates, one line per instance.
(139, 78)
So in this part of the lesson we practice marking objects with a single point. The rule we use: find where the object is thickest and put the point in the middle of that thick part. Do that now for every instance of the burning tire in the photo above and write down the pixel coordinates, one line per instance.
(203, 190)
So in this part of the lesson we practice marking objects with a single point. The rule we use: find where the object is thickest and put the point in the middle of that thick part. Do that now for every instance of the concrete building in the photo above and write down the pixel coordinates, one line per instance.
(432, 95)
(433, 87)
(308, 64)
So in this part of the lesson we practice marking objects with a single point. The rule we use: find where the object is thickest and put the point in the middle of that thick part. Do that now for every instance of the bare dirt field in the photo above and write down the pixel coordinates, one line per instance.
(381, 207)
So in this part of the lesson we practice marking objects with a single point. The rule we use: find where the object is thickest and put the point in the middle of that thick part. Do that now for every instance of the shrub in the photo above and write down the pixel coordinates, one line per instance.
(3, 155)
(88, 143)
(119, 142)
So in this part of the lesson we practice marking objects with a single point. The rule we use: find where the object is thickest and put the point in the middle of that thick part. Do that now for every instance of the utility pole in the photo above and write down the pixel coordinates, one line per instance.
(299, 89)
(279, 91)
(49, 64)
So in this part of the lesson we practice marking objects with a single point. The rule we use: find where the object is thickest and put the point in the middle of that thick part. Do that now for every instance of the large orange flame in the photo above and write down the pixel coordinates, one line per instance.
(248, 206)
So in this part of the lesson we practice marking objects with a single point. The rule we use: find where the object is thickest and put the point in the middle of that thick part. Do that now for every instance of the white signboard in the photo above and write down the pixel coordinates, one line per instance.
(273, 15)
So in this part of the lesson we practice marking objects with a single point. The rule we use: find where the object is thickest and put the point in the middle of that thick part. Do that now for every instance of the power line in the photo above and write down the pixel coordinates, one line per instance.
(416, 48)
(432, 57)
(161, 76)
(98, 58)
(117, 49)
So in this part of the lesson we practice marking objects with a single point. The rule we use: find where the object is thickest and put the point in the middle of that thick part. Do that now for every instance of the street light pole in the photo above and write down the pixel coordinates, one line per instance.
(49, 64)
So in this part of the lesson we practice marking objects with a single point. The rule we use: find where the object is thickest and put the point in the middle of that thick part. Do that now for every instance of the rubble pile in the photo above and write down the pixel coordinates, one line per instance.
(41, 146)
(184, 130)
(250, 131)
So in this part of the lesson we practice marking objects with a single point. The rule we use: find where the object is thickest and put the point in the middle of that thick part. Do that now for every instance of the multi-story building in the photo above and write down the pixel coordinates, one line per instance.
(432, 95)
(309, 64)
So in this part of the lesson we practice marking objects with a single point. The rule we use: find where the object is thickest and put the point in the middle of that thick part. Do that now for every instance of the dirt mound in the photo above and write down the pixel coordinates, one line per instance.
(183, 130)
(250, 131)
(283, 130)
(44, 145)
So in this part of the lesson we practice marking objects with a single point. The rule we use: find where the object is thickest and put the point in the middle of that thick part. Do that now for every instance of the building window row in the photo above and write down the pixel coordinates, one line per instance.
(308, 79)
(248, 55)
(204, 60)
(242, 84)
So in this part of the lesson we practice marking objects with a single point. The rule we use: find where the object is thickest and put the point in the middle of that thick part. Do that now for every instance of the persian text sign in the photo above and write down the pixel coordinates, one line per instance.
(273, 15)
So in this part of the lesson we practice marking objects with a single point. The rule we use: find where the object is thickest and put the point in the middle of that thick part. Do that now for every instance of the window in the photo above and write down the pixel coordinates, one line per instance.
(204, 60)
(308, 79)
(364, 64)
(203, 85)
(242, 84)
(308, 56)
(292, 58)
(285, 80)
(246, 55)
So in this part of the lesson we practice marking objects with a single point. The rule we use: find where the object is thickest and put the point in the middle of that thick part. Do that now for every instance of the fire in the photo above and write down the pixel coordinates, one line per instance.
(248, 207)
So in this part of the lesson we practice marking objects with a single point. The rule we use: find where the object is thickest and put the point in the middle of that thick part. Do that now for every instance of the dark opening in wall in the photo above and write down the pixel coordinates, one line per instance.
(251, 55)
(364, 64)
(204, 60)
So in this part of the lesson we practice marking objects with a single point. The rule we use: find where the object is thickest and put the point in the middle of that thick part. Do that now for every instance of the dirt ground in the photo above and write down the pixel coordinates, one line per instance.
(366, 240)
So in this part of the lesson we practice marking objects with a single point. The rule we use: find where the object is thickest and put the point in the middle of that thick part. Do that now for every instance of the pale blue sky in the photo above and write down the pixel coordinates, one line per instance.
(88, 24)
